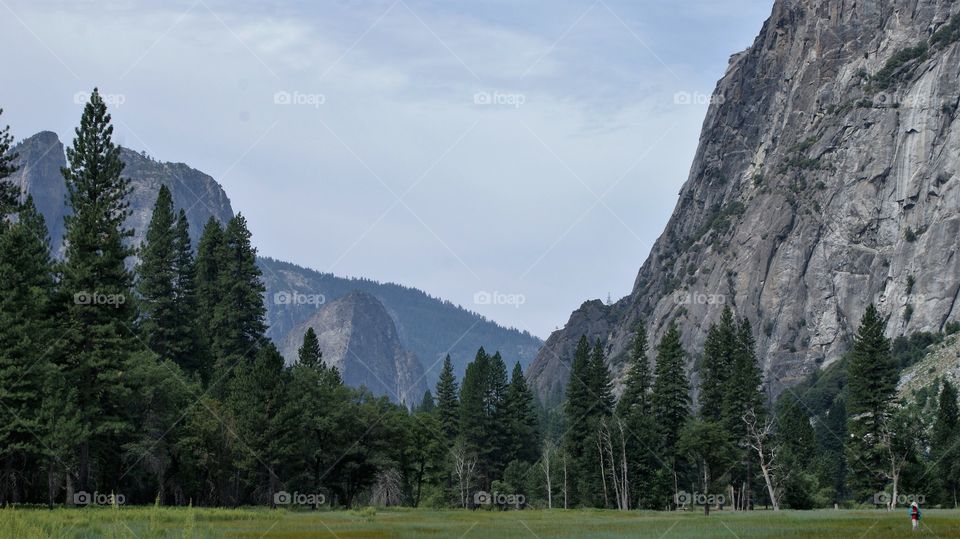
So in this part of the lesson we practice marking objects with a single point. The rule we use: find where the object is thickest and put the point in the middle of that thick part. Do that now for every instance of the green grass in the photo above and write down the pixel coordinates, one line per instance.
(149, 522)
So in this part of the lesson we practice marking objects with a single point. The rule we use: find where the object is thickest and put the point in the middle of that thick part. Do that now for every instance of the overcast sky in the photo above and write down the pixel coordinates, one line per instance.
(529, 150)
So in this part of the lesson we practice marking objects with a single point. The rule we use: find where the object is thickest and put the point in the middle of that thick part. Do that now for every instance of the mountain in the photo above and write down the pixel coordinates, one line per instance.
(826, 178)
(428, 327)
(359, 338)
(42, 156)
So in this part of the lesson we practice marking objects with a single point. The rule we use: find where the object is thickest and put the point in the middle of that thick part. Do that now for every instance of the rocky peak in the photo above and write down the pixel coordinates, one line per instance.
(358, 336)
(825, 179)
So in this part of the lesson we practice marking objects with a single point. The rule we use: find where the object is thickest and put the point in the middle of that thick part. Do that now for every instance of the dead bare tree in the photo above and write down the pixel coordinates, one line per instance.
(389, 489)
(464, 465)
(618, 477)
(759, 439)
(546, 459)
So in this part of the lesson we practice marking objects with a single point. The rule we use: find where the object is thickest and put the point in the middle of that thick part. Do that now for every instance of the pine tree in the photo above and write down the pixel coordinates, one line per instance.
(634, 408)
(156, 279)
(208, 267)
(96, 284)
(797, 447)
(309, 353)
(497, 419)
(474, 411)
(636, 392)
(256, 399)
(187, 348)
(26, 344)
(238, 316)
(426, 403)
(742, 395)
(579, 403)
(524, 425)
(871, 386)
(671, 399)
(600, 382)
(9, 193)
(719, 354)
(448, 404)
(944, 442)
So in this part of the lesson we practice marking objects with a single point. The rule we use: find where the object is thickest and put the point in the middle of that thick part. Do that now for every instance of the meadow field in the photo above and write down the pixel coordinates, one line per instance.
(155, 523)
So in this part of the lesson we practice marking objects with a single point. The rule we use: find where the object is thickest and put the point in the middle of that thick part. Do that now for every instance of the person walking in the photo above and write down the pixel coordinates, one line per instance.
(915, 515)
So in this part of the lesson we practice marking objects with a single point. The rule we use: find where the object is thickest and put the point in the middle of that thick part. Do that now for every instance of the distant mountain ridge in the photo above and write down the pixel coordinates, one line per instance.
(429, 327)
(426, 328)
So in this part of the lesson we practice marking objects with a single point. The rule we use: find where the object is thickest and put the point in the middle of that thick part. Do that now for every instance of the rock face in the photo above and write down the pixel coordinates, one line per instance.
(428, 327)
(359, 338)
(826, 178)
(42, 156)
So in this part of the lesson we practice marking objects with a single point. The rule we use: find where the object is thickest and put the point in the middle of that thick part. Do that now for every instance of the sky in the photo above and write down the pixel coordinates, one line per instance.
(514, 157)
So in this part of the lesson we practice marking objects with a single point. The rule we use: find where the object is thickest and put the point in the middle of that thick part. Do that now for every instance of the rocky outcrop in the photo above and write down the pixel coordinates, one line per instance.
(42, 156)
(358, 337)
(826, 178)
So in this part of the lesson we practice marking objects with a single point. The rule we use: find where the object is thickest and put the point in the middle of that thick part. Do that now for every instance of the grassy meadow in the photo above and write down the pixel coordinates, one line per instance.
(155, 523)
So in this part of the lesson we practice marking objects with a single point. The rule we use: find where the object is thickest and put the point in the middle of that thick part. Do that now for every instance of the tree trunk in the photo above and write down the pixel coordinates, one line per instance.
(706, 490)
(83, 477)
(770, 490)
(69, 489)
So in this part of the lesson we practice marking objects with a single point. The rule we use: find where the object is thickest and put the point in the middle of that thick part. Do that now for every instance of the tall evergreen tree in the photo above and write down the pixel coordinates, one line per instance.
(634, 408)
(524, 424)
(636, 391)
(187, 347)
(742, 395)
(671, 399)
(577, 408)
(156, 279)
(96, 286)
(944, 442)
(208, 267)
(448, 404)
(238, 316)
(719, 355)
(27, 312)
(871, 386)
(600, 382)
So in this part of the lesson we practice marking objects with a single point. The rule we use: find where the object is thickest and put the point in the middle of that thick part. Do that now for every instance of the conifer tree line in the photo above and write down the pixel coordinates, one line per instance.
(144, 371)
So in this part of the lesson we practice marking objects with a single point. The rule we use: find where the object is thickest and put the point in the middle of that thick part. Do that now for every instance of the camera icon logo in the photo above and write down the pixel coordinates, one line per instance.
(81, 498)
(481, 497)
(281, 498)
